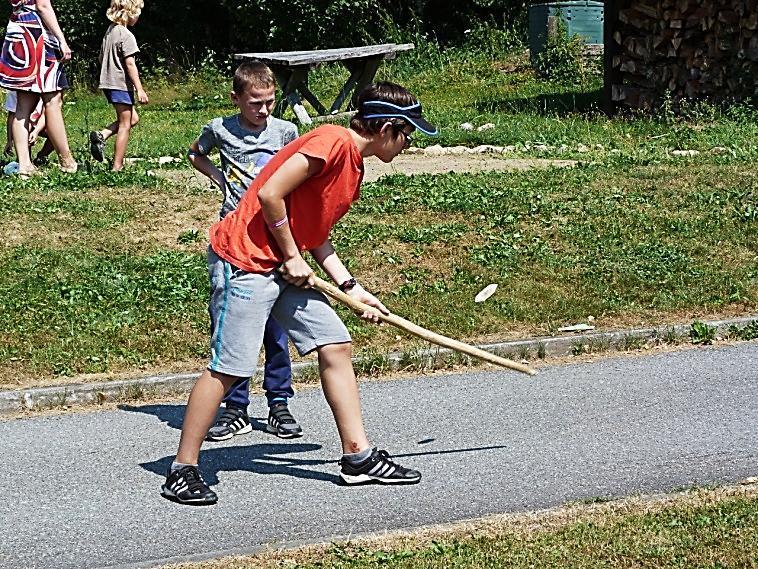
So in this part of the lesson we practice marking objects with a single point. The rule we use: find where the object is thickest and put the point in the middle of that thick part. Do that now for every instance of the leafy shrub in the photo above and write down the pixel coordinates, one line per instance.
(562, 59)
(701, 333)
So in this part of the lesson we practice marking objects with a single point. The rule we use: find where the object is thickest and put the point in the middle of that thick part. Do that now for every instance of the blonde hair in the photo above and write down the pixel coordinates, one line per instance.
(121, 11)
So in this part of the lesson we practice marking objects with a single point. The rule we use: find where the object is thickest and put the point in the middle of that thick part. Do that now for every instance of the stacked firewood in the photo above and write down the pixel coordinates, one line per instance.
(691, 48)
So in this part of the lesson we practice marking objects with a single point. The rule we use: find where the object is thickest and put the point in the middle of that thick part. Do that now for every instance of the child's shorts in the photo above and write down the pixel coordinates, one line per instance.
(117, 96)
(240, 304)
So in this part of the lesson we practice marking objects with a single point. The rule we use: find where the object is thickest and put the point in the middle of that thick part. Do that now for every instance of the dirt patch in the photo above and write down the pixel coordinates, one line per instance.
(410, 164)
(424, 164)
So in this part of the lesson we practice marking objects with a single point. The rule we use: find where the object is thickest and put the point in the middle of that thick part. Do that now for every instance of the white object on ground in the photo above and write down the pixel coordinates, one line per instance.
(466, 126)
(167, 160)
(486, 126)
(485, 293)
(10, 168)
(576, 328)
(685, 152)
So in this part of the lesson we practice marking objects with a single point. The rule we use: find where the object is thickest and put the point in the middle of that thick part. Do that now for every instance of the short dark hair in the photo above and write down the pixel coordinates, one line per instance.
(382, 91)
(254, 74)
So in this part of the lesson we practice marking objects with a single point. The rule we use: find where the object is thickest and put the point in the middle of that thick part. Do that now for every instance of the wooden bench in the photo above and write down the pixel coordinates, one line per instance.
(291, 69)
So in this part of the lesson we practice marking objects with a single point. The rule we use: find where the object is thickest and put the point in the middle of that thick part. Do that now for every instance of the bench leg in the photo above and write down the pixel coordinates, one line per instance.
(355, 74)
(369, 66)
(290, 80)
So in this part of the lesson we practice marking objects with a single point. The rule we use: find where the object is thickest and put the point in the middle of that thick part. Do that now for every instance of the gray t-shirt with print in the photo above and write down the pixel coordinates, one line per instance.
(243, 152)
(118, 44)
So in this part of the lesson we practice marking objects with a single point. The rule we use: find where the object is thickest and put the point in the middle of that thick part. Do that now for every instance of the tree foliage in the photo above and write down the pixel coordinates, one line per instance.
(183, 32)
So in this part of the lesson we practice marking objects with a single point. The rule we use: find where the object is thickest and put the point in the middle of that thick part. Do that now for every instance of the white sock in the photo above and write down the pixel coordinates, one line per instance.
(179, 465)
(356, 457)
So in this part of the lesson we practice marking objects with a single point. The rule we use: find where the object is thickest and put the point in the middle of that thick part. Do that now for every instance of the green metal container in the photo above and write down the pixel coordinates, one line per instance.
(584, 18)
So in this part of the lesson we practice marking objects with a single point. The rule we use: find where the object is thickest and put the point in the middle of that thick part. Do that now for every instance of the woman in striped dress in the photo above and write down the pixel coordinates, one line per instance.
(30, 63)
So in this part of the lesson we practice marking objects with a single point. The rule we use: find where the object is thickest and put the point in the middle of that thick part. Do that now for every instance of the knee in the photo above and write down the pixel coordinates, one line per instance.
(53, 104)
(125, 122)
(334, 352)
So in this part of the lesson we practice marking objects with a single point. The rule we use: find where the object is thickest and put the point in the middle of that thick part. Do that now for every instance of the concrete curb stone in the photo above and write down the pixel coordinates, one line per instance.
(180, 384)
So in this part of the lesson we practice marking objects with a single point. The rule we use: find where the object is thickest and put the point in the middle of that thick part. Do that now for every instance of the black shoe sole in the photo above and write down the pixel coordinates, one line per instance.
(274, 431)
(96, 148)
(171, 497)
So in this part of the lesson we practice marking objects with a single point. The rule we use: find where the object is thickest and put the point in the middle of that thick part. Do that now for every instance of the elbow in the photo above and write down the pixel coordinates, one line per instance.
(265, 196)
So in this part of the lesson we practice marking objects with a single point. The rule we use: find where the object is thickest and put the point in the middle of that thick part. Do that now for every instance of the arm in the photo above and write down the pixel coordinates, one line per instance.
(38, 128)
(326, 256)
(296, 170)
(50, 20)
(133, 73)
(203, 164)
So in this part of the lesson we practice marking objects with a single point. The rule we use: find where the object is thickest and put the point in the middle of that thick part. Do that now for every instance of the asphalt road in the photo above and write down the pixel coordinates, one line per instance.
(81, 490)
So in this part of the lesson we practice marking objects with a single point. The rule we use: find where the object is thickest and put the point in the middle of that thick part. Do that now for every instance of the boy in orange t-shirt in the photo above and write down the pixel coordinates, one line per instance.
(257, 270)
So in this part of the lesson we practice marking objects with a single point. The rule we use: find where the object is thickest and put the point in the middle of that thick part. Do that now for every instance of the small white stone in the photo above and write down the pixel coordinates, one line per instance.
(719, 150)
(486, 148)
(167, 160)
(486, 126)
(435, 149)
(457, 149)
(600, 147)
(509, 148)
(466, 126)
(590, 318)
(685, 152)
(582, 148)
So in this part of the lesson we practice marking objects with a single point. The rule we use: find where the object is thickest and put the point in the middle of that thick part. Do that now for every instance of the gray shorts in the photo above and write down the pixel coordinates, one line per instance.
(240, 304)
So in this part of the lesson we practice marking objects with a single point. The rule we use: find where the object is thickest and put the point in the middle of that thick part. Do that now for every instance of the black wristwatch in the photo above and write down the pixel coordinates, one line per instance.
(349, 284)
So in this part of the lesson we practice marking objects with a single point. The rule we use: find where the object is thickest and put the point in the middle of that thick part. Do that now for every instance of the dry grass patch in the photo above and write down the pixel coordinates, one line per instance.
(695, 528)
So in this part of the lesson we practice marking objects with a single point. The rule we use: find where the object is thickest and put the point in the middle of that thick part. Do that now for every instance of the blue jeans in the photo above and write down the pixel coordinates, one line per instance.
(277, 373)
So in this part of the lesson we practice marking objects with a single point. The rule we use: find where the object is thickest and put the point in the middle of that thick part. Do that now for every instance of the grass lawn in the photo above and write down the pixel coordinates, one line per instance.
(106, 272)
(700, 528)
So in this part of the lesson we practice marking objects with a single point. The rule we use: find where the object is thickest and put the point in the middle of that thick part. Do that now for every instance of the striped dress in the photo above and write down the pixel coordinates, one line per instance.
(30, 60)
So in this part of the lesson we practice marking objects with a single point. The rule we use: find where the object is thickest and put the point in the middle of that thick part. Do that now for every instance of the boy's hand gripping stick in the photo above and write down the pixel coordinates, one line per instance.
(332, 291)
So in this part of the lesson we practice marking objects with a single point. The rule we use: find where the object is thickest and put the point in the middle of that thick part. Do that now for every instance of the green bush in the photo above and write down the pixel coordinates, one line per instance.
(562, 59)
(178, 35)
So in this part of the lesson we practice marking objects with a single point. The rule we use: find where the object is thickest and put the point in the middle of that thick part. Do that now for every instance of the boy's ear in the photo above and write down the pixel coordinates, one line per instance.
(385, 127)
(233, 97)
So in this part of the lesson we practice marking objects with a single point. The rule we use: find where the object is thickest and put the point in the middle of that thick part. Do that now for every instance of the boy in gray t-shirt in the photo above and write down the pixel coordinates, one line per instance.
(246, 142)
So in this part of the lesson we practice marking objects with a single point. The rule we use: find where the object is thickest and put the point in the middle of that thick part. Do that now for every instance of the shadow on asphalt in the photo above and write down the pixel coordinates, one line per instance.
(260, 459)
(269, 458)
(173, 415)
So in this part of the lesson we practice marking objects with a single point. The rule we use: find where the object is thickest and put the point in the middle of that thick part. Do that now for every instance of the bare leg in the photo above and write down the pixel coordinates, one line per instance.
(25, 104)
(56, 129)
(341, 391)
(125, 117)
(112, 128)
(202, 406)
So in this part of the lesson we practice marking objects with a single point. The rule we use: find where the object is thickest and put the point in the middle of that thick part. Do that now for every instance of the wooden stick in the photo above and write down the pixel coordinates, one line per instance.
(408, 326)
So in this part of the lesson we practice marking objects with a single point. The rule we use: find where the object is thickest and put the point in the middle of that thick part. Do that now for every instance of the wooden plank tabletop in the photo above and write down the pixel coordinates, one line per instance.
(293, 58)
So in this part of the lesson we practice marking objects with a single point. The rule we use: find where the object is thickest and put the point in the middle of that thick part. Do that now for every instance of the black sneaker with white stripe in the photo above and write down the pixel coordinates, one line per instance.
(377, 468)
(186, 486)
(281, 422)
(231, 422)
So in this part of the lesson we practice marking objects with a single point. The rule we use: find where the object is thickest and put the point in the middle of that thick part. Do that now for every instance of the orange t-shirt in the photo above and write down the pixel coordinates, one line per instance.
(313, 208)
